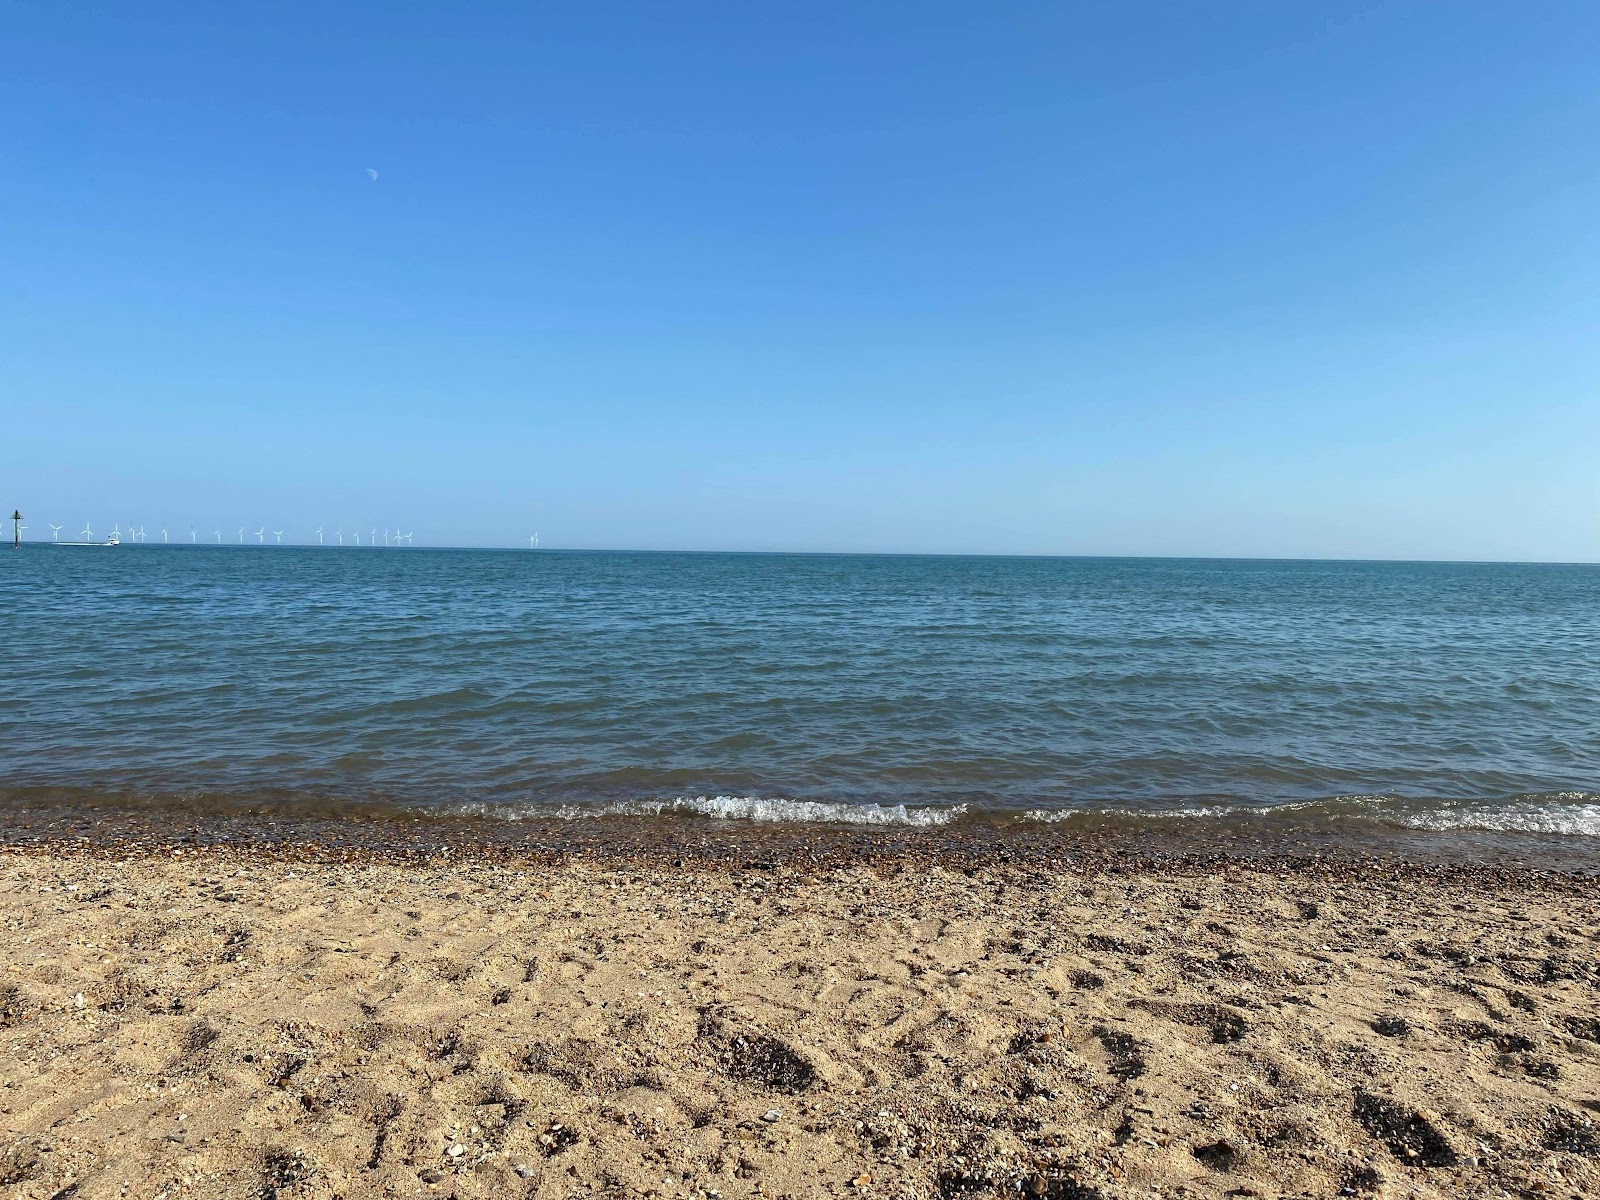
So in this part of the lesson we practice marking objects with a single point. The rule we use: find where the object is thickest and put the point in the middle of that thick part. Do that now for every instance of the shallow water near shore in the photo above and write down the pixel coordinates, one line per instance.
(1387, 700)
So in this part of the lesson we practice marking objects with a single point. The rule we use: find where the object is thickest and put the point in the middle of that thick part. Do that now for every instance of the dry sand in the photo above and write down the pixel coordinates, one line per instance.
(234, 1023)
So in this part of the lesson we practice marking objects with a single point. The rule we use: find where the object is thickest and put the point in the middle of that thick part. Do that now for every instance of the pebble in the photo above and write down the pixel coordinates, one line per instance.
(771, 1114)
(457, 1150)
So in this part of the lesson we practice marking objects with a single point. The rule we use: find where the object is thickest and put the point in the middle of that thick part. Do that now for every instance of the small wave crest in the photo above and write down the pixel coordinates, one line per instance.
(1571, 814)
(764, 809)
(1192, 812)
(1569, 819)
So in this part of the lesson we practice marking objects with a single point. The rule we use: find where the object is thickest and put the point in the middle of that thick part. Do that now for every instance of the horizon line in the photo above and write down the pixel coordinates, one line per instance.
(1104, 557)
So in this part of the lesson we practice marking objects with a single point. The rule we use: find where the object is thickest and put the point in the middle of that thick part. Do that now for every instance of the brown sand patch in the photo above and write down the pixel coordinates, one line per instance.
(232, 1024)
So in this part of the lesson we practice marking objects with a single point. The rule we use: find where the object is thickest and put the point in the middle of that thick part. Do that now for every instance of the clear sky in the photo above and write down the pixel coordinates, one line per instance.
(1253, 277)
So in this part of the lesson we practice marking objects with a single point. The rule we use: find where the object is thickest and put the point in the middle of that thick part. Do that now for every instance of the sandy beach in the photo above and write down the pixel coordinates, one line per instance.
(256, 1023)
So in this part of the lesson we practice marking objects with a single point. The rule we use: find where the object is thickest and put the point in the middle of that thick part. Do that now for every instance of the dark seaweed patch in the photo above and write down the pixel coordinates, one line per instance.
(1410, 1136)
(1127, 1059)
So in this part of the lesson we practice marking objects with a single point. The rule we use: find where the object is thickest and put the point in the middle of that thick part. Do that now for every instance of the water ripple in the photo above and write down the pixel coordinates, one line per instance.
(441, 678)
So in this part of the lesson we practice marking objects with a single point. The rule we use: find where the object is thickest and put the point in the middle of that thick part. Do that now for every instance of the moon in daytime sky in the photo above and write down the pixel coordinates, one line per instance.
(372, 175)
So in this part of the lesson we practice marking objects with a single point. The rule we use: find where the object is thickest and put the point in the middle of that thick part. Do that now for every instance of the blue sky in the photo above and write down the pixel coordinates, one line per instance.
(1284, 279)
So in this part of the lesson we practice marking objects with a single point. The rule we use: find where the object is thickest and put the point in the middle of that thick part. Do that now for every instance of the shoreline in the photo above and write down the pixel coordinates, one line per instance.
(676, 841)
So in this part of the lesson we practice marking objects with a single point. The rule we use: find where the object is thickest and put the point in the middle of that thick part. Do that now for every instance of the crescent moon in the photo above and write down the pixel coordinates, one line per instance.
(372, 175)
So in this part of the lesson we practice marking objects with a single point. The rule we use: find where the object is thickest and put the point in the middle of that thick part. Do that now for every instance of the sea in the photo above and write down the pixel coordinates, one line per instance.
(864, 691)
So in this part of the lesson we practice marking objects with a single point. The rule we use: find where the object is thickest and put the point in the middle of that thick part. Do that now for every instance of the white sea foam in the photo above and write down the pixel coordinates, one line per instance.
(1053, 816)
(745, 808)
(762, 808)
(1574, 814)
(1573, 820)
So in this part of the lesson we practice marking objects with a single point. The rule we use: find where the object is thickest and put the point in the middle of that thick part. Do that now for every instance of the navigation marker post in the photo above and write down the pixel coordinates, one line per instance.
(16, 529)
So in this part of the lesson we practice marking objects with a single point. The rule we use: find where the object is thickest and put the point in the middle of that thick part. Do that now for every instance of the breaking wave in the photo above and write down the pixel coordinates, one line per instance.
(773, 810)
(1570, 819)
(1572, 814)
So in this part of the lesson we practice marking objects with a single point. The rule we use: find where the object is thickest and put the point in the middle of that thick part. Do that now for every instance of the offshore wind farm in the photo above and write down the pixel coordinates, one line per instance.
(244, 536)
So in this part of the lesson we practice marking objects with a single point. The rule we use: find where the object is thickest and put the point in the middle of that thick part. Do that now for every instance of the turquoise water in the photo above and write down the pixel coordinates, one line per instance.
(872, 689)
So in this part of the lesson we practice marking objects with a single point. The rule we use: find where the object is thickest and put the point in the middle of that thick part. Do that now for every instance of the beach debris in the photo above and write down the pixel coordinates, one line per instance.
(556, 1138)
(282, 1171)
(490, 1115)
(1220, 1155)
(752, 1057)
(1571, 1133)
(1127, 1061)
(1410, 1134)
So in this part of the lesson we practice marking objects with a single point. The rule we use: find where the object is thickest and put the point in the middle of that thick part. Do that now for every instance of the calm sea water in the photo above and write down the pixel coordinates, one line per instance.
(857, 688)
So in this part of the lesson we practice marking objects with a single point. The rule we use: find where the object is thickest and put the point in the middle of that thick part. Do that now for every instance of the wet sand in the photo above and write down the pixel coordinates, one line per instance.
(278, 1021)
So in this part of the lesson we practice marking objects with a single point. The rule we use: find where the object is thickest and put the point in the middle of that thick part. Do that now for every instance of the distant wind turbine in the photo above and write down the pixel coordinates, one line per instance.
(191, 535)
(55, 533)
(163, 535)
(339, 533)
(143, 536)
(358, 537)
(319, 535)
(372, 538)
(533, 542)
(116, 531)
(241, 535)
(278, 533)
(218, 532)
(87, 532)
(261, 535)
